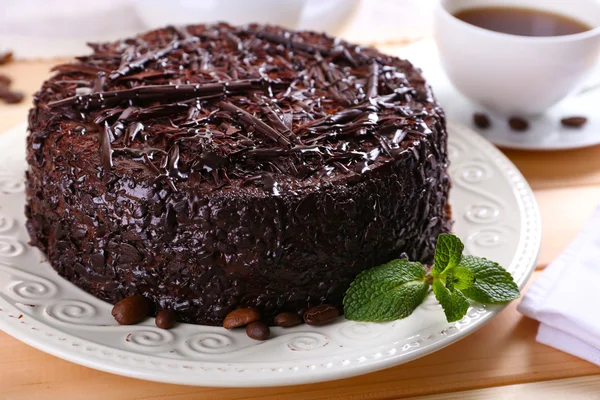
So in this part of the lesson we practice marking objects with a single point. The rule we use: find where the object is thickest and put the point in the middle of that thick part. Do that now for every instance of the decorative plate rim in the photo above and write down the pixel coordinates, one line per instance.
(268, 373)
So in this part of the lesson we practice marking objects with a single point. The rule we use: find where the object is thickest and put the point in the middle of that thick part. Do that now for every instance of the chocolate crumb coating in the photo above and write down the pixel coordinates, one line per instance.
(213, 167)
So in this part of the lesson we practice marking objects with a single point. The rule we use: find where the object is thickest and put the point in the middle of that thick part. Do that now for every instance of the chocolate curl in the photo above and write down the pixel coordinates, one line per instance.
(372, 91)
(256, 123)
(160, 92)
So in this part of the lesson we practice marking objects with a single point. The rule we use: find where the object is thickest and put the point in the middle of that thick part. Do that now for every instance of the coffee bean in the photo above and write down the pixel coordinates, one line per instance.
(258, 330)
(6, 57)
(481, 121)
(287, 319)
(165, 319)
(11, 97)
(130, 310)
(5, 80)
(518, 124)
(240, 317)
(321, 315)
(573, 122)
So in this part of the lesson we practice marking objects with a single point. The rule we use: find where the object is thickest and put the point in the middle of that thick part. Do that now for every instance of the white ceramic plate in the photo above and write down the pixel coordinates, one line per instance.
(496, 216)
(545, 132)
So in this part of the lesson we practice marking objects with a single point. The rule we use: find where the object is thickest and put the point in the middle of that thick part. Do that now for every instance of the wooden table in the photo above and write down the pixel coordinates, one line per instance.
(500, 361)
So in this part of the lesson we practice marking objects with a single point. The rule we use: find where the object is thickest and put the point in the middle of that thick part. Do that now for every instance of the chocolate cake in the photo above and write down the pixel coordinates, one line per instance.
(212, 167)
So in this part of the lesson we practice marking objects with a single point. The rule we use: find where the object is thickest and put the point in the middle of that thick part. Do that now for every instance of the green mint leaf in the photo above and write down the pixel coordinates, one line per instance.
(454, 303)
(448, 253)
(385, 293)
(462, 278)
(493, 284)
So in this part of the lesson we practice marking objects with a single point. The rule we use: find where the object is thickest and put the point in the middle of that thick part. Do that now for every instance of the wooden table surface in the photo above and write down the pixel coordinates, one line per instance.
(500, 361)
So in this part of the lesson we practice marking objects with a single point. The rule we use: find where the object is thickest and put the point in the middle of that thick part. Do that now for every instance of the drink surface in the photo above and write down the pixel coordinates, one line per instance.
(522, 21)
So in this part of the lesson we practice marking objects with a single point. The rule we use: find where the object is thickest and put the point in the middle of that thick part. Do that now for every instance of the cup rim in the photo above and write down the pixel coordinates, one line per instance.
(521, 38)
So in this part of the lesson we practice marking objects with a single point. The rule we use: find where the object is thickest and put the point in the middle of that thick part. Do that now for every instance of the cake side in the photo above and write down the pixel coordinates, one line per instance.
(236, 216)
(204, 257)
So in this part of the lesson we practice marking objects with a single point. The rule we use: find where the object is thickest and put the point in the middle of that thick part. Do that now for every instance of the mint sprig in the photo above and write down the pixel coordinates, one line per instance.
(385, 293)
(394, 290)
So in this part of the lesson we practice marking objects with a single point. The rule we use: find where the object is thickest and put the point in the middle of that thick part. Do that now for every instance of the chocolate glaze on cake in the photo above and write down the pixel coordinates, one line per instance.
(213, 167)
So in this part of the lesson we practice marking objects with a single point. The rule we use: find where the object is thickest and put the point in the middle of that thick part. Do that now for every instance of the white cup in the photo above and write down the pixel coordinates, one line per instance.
(511, 74)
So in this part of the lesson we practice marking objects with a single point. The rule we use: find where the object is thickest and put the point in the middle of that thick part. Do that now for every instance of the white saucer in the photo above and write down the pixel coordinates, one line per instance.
(495, 215)
(544, 133)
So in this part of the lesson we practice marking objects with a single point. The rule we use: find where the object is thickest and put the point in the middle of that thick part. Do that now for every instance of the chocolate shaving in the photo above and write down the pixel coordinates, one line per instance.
(99, 82)
(385, 144)
(158, 92)
(173, 163)
(278, 39)
(106, 115)
(106, 151)
(151, 165)
(254, 122)
(81, 68)
(342, 117)
(278, 123)
(345, 54)
(141, 76)
(338, 86)
(151, 56)
(132, 131)
(372, 90)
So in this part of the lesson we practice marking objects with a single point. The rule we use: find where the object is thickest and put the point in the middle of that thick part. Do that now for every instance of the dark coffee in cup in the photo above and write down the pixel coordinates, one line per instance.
(522, 21)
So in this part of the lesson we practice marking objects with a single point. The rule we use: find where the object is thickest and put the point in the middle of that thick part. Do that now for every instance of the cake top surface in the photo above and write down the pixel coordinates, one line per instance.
(217, 106)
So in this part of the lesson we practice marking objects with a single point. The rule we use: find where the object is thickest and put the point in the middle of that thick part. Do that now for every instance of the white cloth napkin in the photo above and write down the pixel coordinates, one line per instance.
(566, 297)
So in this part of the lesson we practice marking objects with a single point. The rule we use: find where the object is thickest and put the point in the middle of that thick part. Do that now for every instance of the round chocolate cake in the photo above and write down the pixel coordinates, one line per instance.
(213, 167)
